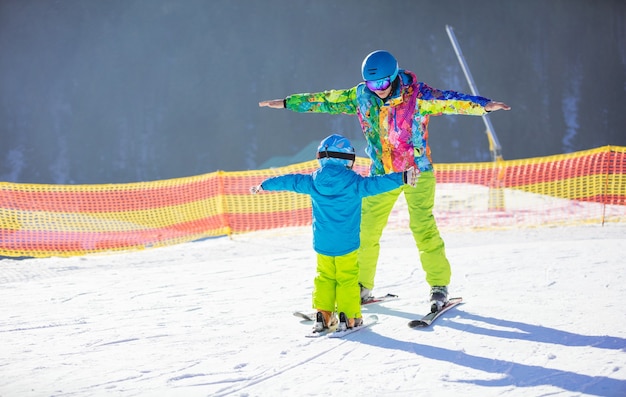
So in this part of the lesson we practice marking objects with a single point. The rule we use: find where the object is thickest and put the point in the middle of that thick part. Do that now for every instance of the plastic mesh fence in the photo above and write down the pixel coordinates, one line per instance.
(63, 220)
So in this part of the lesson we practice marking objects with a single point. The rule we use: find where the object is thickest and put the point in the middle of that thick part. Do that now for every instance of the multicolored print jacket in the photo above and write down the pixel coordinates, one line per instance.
(396, 129)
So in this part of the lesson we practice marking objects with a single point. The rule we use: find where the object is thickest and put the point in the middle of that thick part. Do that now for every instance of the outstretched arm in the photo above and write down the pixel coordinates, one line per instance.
(273, 103)
(299, 183)
(493, 105)
(332, 101)
(434, 101)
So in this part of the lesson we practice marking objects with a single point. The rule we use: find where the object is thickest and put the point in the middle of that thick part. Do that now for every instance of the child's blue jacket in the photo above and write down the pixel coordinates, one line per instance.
(336, 194)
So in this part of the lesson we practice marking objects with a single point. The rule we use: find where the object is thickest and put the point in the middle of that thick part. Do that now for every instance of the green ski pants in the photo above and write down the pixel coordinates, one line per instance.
(375, 214)
(336, 284)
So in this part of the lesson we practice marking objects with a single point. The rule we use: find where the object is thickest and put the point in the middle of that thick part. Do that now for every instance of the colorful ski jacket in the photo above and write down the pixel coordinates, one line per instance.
(396, 129)
(336, 194)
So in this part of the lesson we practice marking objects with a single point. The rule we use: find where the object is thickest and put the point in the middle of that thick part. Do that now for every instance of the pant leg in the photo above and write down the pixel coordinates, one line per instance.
(421, 201)
(348, 291)
(324, 284)
(374, 216)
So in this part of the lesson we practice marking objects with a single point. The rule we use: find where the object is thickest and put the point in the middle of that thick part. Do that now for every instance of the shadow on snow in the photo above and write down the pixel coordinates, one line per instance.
(515, 374)
(530, 332)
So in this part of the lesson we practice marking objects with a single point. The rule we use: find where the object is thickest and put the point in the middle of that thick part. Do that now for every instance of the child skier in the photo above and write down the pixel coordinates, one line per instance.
(336, 192)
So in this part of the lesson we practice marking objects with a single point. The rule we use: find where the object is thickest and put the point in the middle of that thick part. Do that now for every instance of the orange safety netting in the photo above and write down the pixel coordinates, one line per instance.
(64, 220)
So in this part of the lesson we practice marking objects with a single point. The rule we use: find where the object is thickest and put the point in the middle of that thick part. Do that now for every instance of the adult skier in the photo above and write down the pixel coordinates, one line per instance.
(394, 109)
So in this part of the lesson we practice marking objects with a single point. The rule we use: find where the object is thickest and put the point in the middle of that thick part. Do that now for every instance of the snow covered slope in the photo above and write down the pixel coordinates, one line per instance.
(542, 316)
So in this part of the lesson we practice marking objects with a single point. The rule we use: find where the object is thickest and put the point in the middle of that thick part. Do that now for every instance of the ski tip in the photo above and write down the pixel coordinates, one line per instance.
(418, 324)
(371, 318)
(304, 316)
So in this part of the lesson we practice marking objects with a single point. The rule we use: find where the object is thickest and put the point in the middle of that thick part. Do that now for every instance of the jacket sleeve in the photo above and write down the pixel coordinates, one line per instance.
(372, 185)
(435, 102)
(333, 102)
(299, 183)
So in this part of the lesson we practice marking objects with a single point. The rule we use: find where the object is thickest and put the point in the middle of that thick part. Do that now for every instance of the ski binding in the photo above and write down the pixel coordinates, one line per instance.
(428, 319)
(332, 331)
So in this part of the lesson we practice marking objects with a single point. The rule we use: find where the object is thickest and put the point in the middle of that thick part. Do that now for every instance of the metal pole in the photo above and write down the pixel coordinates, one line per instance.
(496, 194)
(494, 144)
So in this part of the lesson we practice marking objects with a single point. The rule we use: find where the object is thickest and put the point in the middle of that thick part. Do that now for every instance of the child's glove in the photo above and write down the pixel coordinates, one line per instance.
(256, 189)
(411, 175)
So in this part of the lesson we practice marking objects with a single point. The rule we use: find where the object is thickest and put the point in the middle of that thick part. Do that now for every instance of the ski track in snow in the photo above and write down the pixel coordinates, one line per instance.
(541, 316)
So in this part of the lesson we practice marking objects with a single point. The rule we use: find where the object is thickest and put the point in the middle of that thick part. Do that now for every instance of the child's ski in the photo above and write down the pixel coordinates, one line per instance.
(367, 321)
(319, 334)
(333, 333)
(428, 319)
(310, 316)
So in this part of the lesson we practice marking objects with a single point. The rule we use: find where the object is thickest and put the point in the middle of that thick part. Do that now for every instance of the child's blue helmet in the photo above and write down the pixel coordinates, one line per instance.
(378, 65)
(336, 149)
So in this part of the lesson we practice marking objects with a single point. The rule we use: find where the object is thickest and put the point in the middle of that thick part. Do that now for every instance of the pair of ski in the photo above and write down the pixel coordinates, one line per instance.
(332, 332)
(423, 322)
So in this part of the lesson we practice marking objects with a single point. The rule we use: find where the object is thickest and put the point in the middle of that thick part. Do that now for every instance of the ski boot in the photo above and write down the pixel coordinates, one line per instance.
(438, 298)
(348, 323)
(366, 294)
(324, 320)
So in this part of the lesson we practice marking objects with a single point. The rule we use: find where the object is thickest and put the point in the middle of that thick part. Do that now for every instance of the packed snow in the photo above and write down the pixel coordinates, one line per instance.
(542, 316)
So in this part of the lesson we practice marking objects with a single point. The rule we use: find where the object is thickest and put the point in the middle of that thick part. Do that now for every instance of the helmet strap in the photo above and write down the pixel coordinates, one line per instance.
(336, 155)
